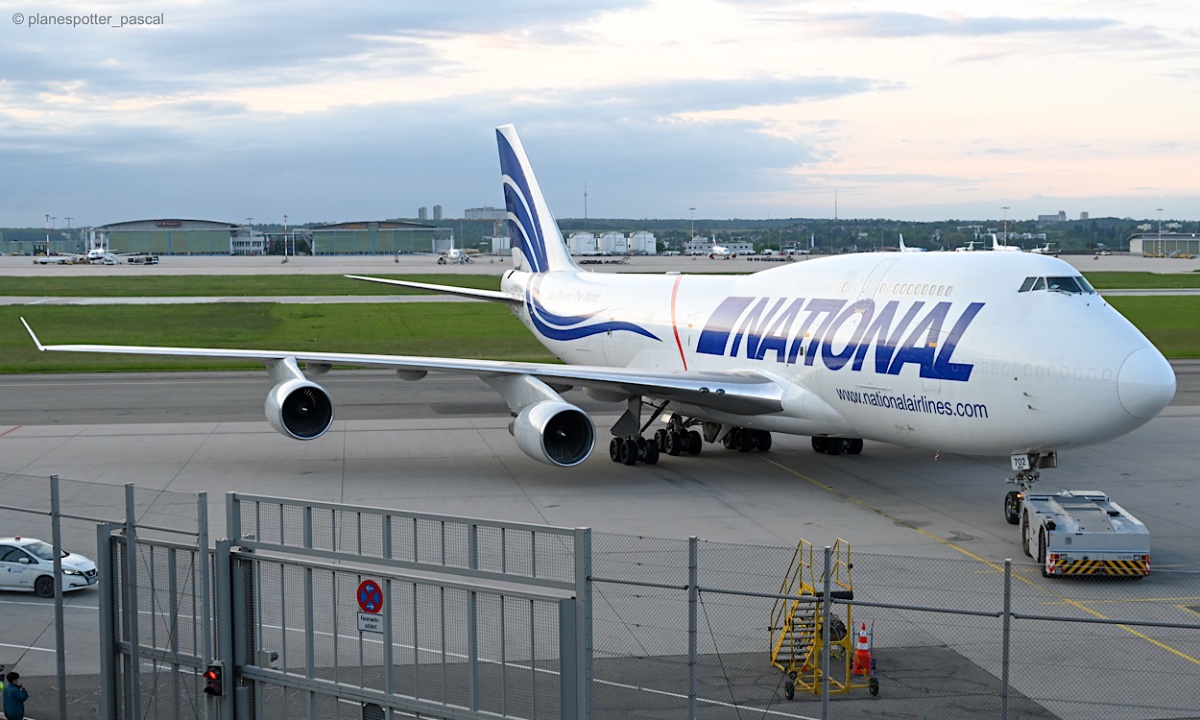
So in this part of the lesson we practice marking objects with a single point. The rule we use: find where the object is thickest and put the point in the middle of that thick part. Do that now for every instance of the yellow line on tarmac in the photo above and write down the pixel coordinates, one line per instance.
(973, 556)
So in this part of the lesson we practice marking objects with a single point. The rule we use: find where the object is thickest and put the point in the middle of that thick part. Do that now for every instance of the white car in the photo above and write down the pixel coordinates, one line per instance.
(27, 564)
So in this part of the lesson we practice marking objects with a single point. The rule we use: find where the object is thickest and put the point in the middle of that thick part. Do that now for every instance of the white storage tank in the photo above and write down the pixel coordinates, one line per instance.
(582, 243)
(643, 242)
(614, 243)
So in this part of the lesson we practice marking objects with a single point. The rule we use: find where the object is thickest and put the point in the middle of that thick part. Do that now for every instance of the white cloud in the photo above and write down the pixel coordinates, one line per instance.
(739, 109)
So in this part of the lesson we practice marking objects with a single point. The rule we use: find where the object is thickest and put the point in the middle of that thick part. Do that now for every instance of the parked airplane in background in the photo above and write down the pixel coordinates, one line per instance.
(997, 247)
(952, 353)
(969, 247)
(1045, 250)
(905, 248)
(720, 251)
(454, 256)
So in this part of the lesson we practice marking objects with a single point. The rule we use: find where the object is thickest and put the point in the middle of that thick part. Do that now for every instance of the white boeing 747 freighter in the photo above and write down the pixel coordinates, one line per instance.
(1003, 354)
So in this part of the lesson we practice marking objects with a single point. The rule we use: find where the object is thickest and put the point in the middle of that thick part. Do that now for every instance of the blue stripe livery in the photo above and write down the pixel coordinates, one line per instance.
(524, 226)
(572, 327)
(753, 328)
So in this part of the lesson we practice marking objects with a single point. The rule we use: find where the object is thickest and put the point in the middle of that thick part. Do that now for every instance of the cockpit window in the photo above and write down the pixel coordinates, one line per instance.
(1070, 284)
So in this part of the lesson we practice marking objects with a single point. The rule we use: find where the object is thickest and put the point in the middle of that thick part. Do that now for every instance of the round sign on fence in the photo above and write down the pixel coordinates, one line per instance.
(370, 596)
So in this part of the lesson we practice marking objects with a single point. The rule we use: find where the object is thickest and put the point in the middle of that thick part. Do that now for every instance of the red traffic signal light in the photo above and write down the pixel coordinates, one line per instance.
(214, 680)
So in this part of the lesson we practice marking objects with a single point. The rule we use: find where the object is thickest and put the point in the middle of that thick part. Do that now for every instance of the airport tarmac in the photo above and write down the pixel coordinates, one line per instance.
(492, 265)
(441, 445)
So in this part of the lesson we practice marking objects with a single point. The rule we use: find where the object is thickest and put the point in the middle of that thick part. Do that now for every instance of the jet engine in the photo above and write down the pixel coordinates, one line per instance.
(299, 409)
(555, 432)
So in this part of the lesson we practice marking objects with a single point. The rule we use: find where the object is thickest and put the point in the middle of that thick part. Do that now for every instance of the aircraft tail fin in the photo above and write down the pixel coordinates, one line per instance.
(536, 240)
(902, 247)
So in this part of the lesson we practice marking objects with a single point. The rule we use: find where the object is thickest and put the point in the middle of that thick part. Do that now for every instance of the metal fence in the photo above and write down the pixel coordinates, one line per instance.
(685, 632)
(490, 619)
(53, 641)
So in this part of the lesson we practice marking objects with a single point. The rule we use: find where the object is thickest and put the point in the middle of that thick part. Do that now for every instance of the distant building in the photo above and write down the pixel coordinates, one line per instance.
(178, 236)
(1060, 217)
(613, 243)
(485, 213)
(643, 242)
(422, 214)
(371, 237)
(1167, 244)
(437, 213)
(582, 243)
(1083, 216)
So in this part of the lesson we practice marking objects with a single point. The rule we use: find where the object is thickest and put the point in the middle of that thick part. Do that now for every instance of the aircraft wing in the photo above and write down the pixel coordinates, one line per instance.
(747, 393)
(492, 295)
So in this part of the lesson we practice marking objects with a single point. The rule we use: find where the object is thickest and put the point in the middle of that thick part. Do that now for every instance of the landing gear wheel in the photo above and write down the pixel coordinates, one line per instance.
(674, 443)
(763, 440)
(614, 449)
(854, 447)
(873, 686)
(727, 441)
(695, 443)
(44, 586)
(650, 454)
(818, 444)
(789, 690)
(835, 446)
(1012, 507)
(743, 440)
(629, 451)
(660, 439)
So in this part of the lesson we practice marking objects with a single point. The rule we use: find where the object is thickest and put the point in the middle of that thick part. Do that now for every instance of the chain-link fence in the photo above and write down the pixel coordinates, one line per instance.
(52, 642)
(679, 628)
(940, 638)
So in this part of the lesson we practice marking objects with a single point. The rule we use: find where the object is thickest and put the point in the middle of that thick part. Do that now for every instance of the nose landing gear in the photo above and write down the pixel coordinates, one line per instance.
(1026, 466)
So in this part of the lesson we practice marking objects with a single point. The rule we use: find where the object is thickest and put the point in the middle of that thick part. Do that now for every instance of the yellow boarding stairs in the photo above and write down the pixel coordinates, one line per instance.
(796, 624)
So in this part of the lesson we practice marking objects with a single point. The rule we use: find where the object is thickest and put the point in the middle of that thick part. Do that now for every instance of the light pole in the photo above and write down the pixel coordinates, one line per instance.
(692, 235)
(285, 238)
(1005, 208)
(1160, 245)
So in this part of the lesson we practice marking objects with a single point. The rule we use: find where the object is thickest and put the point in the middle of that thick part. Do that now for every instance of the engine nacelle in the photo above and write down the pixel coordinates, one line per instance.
(299, 409)
(555, 432)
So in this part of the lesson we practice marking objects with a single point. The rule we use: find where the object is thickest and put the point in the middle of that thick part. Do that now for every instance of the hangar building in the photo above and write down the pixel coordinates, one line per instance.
(372, 237)
(170, 236)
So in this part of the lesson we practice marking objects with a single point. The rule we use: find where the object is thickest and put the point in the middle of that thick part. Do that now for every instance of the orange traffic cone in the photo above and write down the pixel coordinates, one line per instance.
(862, 653)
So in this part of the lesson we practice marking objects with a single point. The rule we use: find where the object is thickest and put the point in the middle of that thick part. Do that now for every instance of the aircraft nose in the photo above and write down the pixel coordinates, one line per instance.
(1146, 383)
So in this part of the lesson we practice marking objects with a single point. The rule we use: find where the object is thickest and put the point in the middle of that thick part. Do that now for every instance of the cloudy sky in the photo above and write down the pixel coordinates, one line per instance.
(740, 108)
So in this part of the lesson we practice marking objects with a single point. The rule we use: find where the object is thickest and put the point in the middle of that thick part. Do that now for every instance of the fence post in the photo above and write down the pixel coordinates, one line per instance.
(60, 641)
(133, 680)
(693, 621)
(1007, 641)
(224, 618)
(583, 619)
(826, 611)
(569, 656)
(204, 557)
(105, 549)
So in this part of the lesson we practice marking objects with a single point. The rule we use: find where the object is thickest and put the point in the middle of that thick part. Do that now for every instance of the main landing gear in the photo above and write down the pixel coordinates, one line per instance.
(837, 446)
(1026, 466)
(675, 439)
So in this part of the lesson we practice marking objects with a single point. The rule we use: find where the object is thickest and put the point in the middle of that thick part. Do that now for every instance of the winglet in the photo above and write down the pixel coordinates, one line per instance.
(40, 346)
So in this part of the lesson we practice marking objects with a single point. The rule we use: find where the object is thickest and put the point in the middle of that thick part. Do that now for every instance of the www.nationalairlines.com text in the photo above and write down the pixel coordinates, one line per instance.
(912, 403)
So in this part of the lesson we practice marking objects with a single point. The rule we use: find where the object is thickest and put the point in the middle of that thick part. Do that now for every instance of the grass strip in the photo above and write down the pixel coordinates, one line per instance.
(471, 330)
(226, 285)
(464, 330)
